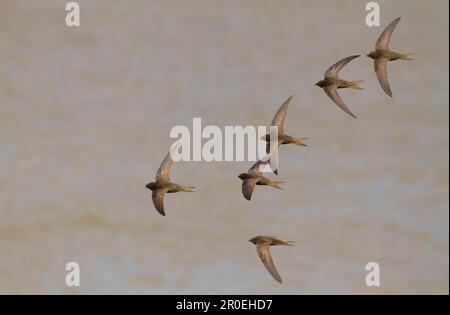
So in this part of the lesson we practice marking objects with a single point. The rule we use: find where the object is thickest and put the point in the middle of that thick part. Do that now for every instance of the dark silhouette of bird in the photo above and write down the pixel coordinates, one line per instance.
(262, 247)
(332, 82)
(254, 177)
(382, 55)
(163, 184)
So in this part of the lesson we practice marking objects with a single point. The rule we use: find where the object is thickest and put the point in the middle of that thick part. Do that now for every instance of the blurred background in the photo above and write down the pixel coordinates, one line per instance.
(85, 116)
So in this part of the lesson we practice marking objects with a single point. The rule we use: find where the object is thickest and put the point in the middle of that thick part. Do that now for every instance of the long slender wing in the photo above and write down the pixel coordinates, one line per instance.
(264, 253)
(332, 93)
(280, 115)
(258, 167)
(247, 187)
(158, 200)
(385, 37)
(381, 71)
(164, 168)
(333, 71)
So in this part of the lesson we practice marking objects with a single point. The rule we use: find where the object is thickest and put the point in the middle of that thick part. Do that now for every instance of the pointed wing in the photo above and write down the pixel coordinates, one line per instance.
(158, 200)
(333, 71)
(247, 187)
(258, 167)
(164, 168)
(381, 71)
(332, 93)
(264, 253)
(280, 115)
(385, 37)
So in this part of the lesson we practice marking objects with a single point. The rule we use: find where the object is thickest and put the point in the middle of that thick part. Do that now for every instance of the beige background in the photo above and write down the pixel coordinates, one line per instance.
(85, 116)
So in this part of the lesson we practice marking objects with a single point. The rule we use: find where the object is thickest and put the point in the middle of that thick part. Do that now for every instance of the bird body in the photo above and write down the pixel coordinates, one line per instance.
(168, 186)
(278, 121)
(389, 55)
(163, 185)
(271, 240)
(262, 247)
(382, 55)
(286, 139)
(339, 83)
(332, 82)
(260, 180)
(254, 177)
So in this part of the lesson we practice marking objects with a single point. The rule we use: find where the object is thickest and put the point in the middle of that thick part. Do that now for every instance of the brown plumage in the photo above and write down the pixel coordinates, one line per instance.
(262, 247)
(163, 184)
(254, 177)
(382, 55)
(332, 82)
(278, 121)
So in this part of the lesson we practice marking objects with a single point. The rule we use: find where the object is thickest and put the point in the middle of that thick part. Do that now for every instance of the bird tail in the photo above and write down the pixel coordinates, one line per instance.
(285, 242)
(355, 85)
(276, 184)
(405, 56)
(299, 141)
(188, 189)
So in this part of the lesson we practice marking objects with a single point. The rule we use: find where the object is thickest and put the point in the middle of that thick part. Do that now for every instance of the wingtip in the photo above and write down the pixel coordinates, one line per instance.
(396, 21)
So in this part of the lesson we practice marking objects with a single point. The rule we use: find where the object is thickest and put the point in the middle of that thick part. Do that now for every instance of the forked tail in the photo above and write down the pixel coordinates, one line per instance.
(189, 189)
(289, 243)
(285, 242)
(276, 184)
(405, 56)
(355, 85)
(299, 141)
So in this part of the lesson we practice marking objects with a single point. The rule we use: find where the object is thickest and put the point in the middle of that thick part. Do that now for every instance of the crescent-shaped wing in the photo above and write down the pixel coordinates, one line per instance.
(247, 187)
(385, 37)
(158, 200)
(264, 253)
(381, 71)
(332, 93)
(164, 168)
(333, 71)
(280, 115)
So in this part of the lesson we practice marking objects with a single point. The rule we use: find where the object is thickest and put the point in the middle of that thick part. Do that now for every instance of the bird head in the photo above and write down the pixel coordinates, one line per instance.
(371, 55)
(253, 240)
(149, 186)
(242, 176)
